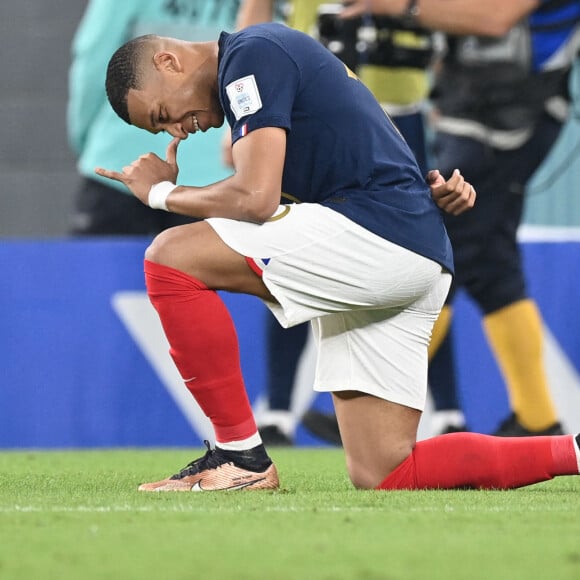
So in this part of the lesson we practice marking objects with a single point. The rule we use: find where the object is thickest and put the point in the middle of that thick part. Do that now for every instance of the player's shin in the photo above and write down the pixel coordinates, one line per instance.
(204, 346)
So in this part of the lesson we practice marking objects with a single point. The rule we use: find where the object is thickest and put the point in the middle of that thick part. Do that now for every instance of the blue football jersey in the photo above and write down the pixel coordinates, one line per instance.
(552, 29)
(342, 150)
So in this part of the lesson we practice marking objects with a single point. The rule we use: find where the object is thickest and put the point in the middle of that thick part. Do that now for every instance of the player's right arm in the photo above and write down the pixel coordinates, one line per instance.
(251, 194)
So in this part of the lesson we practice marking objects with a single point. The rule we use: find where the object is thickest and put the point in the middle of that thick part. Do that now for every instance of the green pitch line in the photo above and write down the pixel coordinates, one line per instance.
(77, 515)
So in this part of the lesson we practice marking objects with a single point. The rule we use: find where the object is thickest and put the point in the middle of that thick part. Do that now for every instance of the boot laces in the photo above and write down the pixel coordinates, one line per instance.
(211, 460)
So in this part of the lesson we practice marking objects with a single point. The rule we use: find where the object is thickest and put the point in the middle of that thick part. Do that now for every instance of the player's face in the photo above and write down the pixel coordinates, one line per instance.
(175, 103)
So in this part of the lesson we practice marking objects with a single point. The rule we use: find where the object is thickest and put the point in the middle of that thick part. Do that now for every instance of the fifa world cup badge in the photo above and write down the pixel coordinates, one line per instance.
(244, 96)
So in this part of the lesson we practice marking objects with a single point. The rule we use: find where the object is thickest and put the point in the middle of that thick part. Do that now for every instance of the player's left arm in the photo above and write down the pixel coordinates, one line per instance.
(454, 195)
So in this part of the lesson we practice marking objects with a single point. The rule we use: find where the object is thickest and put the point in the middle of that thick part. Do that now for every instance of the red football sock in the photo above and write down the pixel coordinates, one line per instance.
(204, 346)
(470, 460)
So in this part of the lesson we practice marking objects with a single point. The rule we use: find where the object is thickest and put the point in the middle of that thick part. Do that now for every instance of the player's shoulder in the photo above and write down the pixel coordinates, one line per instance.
(268, 47)
(257, 34)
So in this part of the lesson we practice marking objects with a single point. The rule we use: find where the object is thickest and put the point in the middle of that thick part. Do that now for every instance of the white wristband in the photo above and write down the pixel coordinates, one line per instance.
(158, 194)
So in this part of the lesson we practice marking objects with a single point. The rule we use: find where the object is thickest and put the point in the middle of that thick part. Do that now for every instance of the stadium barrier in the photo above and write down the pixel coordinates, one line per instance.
(85, 363)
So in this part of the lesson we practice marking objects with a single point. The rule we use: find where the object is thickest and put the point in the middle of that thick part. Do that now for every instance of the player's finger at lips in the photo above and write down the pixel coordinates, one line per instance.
(171, 151)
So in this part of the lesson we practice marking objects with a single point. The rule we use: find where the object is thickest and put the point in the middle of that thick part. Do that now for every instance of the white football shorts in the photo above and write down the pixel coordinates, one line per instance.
(372, 303)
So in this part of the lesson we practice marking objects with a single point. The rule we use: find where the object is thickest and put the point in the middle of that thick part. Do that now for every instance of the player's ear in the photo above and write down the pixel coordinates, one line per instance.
(167, 61)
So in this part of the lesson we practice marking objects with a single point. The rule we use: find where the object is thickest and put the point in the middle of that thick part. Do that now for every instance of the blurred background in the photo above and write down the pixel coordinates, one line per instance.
(36, 164)
(83, 362)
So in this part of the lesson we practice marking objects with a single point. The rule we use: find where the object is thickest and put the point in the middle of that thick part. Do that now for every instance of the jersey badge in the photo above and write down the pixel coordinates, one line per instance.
(244, 96)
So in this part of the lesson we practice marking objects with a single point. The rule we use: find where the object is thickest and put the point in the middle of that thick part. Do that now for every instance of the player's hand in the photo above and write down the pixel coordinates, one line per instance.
(453, 196)
(146, 171)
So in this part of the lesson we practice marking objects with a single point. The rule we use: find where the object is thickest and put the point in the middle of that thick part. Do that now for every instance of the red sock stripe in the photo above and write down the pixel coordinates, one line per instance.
(252, 263)
(204, 347)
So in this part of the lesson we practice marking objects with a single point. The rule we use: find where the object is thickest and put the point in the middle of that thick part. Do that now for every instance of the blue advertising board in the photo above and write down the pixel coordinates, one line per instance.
(84, 362)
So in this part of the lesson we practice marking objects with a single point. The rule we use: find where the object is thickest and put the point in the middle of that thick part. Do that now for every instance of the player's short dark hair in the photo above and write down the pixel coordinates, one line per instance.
(125, 71)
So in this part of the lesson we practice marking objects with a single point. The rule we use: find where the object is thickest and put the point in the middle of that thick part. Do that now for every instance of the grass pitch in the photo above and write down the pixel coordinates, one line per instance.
(78, 516)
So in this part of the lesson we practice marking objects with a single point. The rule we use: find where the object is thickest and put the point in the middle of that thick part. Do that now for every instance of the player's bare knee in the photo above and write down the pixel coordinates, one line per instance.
(361, 477)
(160, 249)
(369, 471)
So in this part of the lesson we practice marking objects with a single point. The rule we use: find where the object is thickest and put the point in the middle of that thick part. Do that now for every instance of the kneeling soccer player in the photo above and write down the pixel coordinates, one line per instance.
(358, 247)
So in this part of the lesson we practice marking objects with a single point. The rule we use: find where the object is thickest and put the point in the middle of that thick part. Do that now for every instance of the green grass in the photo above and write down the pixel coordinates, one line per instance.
(78, 516)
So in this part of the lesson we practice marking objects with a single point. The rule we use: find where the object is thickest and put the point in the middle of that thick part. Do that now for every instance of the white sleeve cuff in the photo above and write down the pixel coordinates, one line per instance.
(158, 194)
